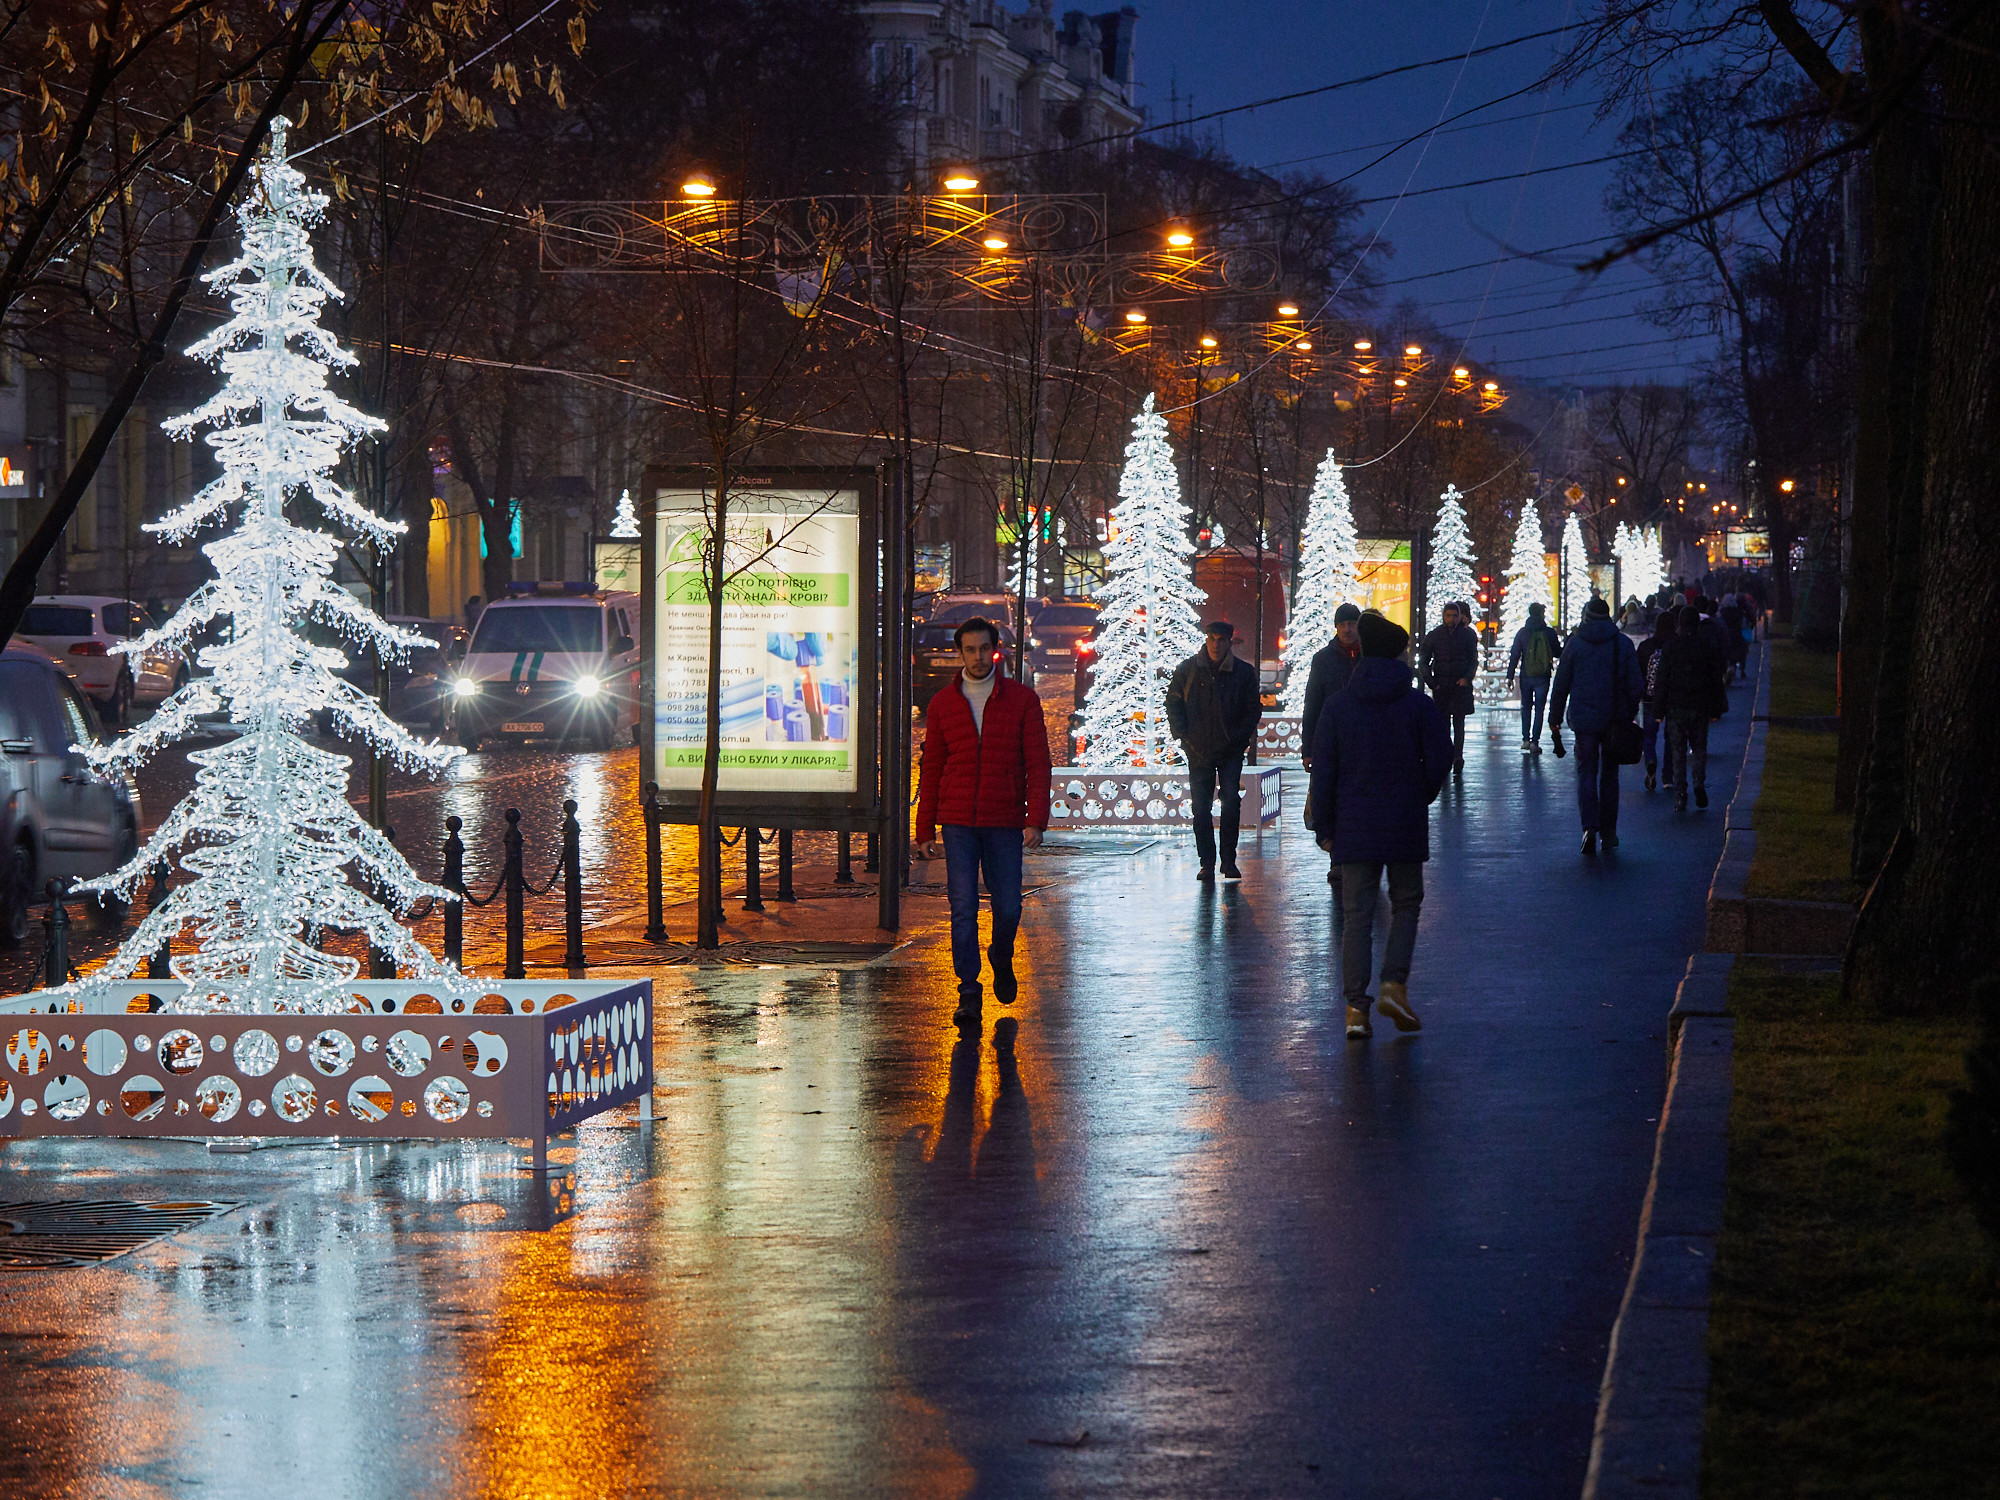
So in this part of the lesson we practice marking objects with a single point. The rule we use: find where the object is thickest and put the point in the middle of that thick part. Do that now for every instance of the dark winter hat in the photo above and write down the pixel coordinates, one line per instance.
(1597, 609)
(1668, 623)
(1346, 612)
(1690, 618)
(1222, 628)
(1381, 636)
(1536, 611)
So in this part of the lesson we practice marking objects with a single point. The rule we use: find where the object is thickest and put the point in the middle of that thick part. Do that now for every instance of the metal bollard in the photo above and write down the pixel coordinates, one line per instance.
(753, 872)
(572, 856)
(656, 924)
(454, 881)
(157, 961)
(843, 870)
(874, 863)
(381, 962)
(55, 965)
(516, 879)
(785, 865)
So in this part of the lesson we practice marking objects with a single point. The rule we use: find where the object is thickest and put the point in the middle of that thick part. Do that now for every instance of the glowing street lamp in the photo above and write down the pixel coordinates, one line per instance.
(1135, 316)
(960, 182)
(697, 186)
(1208, 341)
(994, 243)
(1180, 239)
(1288, 309)
(1362, 346)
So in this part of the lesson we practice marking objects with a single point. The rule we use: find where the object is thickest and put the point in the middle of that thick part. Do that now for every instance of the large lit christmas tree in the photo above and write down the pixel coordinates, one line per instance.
(1452, 566)
(1149, 623)
(268, 833)
(1575, 573)
(1639, 568)
(1527, 576)
(1328, 553)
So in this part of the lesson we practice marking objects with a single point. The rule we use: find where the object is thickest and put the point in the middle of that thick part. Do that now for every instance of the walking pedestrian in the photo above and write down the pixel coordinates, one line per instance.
(1381, 754)
(1732, 616)
(1447, 664)
(983, 786)
(1332, 668)
(1694, 690)
(1652, 712)
(1596, 685)
(1533, 654)
(1213, 709)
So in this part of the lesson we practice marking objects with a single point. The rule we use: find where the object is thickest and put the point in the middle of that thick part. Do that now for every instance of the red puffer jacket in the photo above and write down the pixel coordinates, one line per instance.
(998, 779)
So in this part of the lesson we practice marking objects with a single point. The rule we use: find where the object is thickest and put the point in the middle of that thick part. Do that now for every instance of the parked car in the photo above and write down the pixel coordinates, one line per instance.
(1056, 630)
(85, 629)
(60, 817)
(558, 666)
(934, 658)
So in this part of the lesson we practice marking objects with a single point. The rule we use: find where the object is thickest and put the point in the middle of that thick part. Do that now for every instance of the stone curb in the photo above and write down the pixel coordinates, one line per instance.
(1652, 1408)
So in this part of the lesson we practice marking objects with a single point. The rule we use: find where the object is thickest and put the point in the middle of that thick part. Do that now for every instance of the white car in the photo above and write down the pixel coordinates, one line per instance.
(83, 630)
(560, 663)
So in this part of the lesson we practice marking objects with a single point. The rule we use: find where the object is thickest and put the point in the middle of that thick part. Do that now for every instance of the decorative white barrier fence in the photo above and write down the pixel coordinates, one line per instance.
(1280, 739)
(1082, 799)
(528, 1059)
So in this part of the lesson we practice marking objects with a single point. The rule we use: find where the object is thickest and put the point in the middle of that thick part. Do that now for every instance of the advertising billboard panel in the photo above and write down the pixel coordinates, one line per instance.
(1383, 568)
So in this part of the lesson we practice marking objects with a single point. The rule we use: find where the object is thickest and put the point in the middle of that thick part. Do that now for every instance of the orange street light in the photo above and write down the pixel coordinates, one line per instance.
(994, 242)
(1208, 341)
(1783, 484)
(697, 186)
(1304, 344)
(1621, 478)
(1461, 373)
(1135, 316)
(1363, 345)
(1401, 381)
(1288, 309)
(1491, 385)
(960, 182)
(1413, 350)
(1180, 239)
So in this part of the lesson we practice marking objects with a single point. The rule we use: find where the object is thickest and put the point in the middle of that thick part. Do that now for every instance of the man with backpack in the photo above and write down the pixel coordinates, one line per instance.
(1536, 647)
(1652, 711)
(1598, 683)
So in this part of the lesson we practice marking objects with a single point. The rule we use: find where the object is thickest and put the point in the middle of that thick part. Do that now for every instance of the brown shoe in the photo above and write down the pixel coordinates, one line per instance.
(1394, 1002)
(1359, 1028)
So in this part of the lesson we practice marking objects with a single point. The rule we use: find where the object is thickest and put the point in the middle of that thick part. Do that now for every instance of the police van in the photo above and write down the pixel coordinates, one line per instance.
(552, 661)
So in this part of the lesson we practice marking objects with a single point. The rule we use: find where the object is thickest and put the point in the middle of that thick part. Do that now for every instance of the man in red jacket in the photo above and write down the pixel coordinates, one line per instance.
(985, 779)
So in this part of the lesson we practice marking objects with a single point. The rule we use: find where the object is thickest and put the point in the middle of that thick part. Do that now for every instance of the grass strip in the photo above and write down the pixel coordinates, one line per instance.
(1802, 843)
(1855, 1329)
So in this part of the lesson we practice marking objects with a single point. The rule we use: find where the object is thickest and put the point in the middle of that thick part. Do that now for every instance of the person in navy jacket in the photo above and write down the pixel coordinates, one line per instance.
(1380, 756)
(983, 786)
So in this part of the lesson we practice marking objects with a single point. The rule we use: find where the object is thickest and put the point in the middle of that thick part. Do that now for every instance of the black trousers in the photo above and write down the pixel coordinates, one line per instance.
(1225, 776)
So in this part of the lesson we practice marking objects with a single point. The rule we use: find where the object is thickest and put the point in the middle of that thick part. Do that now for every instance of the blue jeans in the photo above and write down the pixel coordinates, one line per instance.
(1360, 888)
(1651, 720)
(1534, 703)
(966, 852)
(1596, 783)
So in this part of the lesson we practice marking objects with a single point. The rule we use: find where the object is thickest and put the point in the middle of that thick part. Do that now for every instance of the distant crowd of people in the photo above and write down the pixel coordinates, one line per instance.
(1380, 742)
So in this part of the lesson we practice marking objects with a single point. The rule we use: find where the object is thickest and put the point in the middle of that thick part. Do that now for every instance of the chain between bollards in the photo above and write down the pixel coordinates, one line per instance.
(55, 962)
(572, 858)
(516, 880)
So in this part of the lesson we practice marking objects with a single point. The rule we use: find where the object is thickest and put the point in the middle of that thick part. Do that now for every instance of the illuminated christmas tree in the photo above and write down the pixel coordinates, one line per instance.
(1149, 621)
(1575, 573)
(1527, 576)
(1328, 554)
(1452, 579)
(268, 833)
(625, 525)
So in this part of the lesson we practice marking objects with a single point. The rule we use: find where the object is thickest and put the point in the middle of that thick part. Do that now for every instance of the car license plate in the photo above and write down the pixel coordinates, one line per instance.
(522, 728)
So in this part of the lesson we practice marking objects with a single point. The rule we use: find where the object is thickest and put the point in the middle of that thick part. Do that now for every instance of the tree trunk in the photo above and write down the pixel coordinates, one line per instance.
(416, 546)
(1916, 947)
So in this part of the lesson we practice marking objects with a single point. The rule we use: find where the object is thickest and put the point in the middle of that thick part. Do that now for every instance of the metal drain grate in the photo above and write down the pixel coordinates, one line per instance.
(60, 1236)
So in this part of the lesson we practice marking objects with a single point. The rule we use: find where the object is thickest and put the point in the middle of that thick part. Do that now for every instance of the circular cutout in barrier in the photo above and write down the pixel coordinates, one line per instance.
(256, 1053)
(332, 1053)
(217, 1098)
(66, 1098)
(142, 1098)
(104, 1053)
(294, 1099)
(484, 1052)
(180, 1051)
(447, 1100)
(29, 1052)
(408, 1053)
(371, 1098)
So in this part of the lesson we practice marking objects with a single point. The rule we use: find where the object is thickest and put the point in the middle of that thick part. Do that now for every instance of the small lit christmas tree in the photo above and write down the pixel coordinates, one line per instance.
(1639, 569)
(268, 832)
(1452, 564)
(1575, 573)
(625, 525)
(1527, 576)
(1149, 623)
(1328, 554)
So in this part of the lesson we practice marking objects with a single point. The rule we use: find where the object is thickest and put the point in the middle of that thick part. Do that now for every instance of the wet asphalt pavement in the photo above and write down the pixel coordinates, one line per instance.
(1157, 1229)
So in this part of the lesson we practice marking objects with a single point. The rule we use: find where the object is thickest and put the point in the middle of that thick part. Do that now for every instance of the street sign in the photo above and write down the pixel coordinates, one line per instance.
(1574, 494)
(17, 471)
(797, 649)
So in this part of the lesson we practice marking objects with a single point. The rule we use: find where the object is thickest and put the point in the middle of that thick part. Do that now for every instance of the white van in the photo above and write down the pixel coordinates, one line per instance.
(561, 663)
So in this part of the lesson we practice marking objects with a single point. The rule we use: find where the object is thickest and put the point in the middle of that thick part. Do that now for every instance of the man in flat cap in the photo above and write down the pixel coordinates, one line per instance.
(1213, 709)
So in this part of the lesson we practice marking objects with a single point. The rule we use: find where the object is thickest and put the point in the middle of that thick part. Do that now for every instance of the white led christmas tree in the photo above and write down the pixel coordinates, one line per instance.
(1451, 573)
(1149, 622)
(1575, 573)
(1639, 569)
(625, 525)
(1527, 576)
(1328, 553)
(268, 834)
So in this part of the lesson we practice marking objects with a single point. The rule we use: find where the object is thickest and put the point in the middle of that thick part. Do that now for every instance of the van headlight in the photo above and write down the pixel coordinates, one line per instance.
(586, 687)
(465, 687)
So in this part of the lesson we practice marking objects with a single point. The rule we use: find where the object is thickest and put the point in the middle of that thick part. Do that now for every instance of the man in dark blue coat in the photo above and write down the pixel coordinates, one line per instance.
(1380, 756)
(1598, 682)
